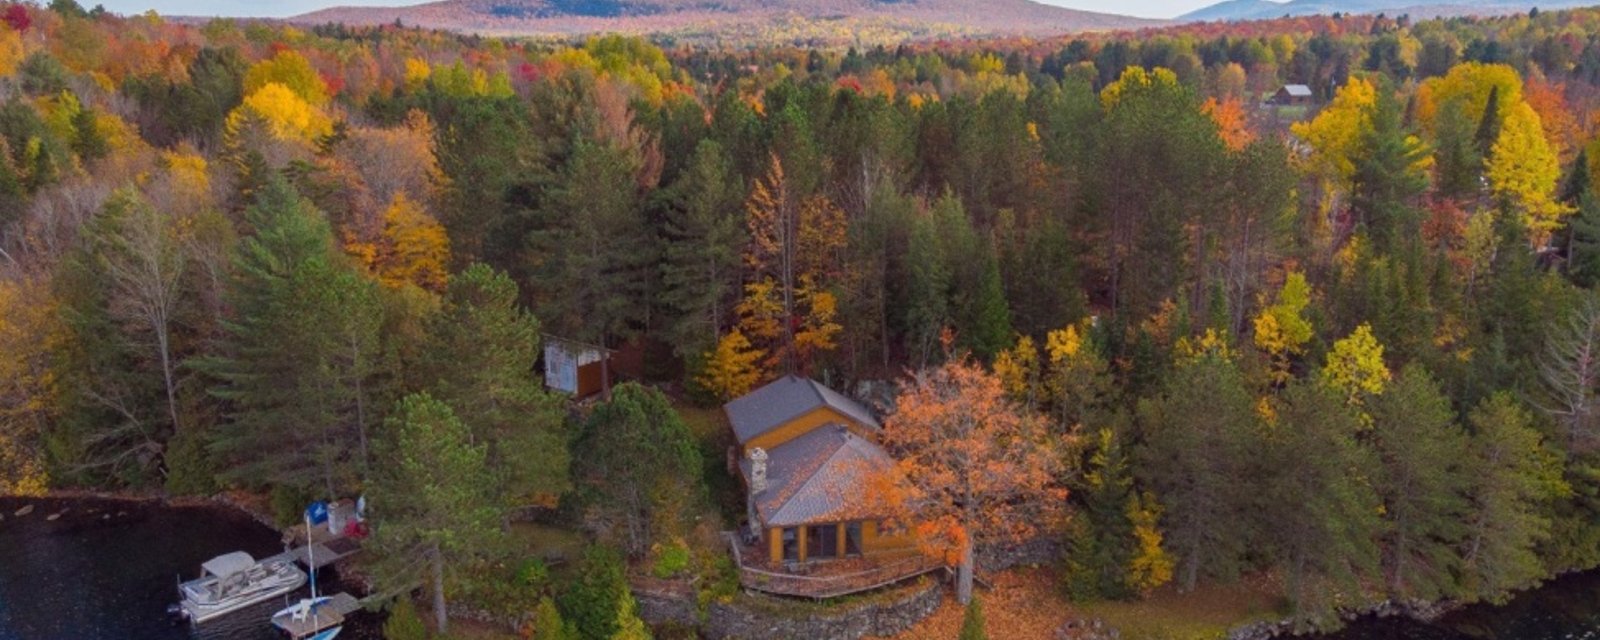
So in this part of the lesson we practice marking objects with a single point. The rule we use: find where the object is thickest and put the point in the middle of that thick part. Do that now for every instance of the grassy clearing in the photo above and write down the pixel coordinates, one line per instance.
(1027, 604)
(713, 437)
(1207, 612)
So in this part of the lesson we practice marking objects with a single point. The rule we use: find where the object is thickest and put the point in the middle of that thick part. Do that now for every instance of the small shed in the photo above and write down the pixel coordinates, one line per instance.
(576, 368)
(1291, 94)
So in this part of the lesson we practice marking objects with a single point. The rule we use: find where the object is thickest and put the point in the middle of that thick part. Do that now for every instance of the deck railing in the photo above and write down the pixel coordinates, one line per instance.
(880, 574)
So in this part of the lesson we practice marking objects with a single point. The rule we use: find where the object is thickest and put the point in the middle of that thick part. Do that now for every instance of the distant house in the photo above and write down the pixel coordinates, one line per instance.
(1291, 94)
(806, 454)
(578, 369)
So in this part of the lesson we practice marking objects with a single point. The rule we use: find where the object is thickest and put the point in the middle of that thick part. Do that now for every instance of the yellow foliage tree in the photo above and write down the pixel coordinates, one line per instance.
(1335, 134)
(417, 73)
(1355, 368)
(291, 70)
(1281, 330)
(287, 115)
(190, 173)
(1470, 83)
(11, 51)
(818, 329)
(416, 249)
(1018, 370)
(1151, 566)
(1524, 170)
(1135, 76)
(27, 322)
(732, 368)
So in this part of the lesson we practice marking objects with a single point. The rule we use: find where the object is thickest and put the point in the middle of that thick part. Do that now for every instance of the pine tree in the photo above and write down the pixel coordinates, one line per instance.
(297, 357)
(435, 493)
(1323, 517)
(638, 466)
(1488, 131)
(1513, 476)
(703, 237)
(1422, 481)
(548, 625)
(1200, 448)
(478, 361)
(1099, 541)
(1388, 177)
(629, 626)
(991, 324)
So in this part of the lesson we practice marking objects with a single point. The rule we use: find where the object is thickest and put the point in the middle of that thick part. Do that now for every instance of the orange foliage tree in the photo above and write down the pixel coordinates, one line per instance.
(972, 465)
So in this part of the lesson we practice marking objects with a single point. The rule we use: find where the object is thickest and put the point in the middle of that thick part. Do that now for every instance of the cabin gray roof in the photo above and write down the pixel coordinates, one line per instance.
(820, 476)
(785, 399)
(1298, 90)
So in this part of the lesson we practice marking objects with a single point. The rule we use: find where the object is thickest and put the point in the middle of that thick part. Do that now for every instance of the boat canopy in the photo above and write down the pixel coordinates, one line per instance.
(229, 564)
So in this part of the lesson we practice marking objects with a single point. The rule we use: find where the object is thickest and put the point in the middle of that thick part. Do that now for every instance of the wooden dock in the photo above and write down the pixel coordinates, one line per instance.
(325, 617)
(326, 553)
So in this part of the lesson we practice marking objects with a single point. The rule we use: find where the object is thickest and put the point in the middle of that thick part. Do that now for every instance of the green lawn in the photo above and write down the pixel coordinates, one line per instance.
(713, 437)
(1204, 614)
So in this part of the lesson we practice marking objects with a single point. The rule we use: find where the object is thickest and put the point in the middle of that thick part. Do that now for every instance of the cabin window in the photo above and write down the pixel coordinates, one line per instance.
(852, 539)
(791, 543)
(822, 541)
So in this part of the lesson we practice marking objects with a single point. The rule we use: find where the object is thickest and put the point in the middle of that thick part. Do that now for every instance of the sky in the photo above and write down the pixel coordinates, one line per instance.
(283, 8)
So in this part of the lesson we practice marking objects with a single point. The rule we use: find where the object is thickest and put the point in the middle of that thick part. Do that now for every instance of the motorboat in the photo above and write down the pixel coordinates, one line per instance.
(233, 581)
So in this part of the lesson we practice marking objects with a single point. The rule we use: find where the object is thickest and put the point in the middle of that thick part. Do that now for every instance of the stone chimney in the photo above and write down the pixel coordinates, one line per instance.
(758, 470)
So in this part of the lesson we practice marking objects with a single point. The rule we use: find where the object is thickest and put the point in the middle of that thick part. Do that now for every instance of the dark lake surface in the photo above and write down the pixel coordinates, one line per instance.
(109, 569)
(1567, 608)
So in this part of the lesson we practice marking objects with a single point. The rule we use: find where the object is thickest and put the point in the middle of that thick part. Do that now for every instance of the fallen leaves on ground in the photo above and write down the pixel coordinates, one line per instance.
(1023, 604)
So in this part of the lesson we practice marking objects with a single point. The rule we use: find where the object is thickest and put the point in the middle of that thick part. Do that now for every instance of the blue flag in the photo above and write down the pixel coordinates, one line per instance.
(317, 513)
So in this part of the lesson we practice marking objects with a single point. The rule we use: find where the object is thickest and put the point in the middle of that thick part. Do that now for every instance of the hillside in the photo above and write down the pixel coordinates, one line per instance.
(1267, 9)
(910, 18)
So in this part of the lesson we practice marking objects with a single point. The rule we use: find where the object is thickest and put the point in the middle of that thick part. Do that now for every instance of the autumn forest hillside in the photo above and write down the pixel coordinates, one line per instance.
(750, 22)
(1342, 345)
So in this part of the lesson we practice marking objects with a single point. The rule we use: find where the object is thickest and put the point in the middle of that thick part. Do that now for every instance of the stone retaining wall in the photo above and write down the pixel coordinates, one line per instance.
(1043, 550)
(740, 620)
(758, 617)
(659, 607)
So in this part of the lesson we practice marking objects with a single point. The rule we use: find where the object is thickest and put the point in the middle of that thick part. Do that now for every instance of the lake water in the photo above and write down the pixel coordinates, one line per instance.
(109, 569)
(1567, 608)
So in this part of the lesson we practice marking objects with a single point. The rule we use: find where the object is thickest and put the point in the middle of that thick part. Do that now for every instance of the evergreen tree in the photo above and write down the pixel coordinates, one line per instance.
(548, 624)
(1388, 179)
(1489, 126)
(990, 327)
(1421, 455)
(702, 238)
(1100, 537)
(629, 626)
(434, 494)
(1458, 163)
(296, 357)
(594, 247)
(1324, 517)
(1513, 476)
(973, 626)
(1199, 454)
(590, 604)
(637, 467)
(479, 362)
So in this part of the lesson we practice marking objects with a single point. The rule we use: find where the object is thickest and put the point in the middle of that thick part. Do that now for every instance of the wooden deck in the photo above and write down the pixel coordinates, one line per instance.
(339, 606)
(326, 553)
(825, 579)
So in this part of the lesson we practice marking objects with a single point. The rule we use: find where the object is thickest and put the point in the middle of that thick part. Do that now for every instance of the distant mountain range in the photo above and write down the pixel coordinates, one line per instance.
(1419, 9)
(569, 17)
